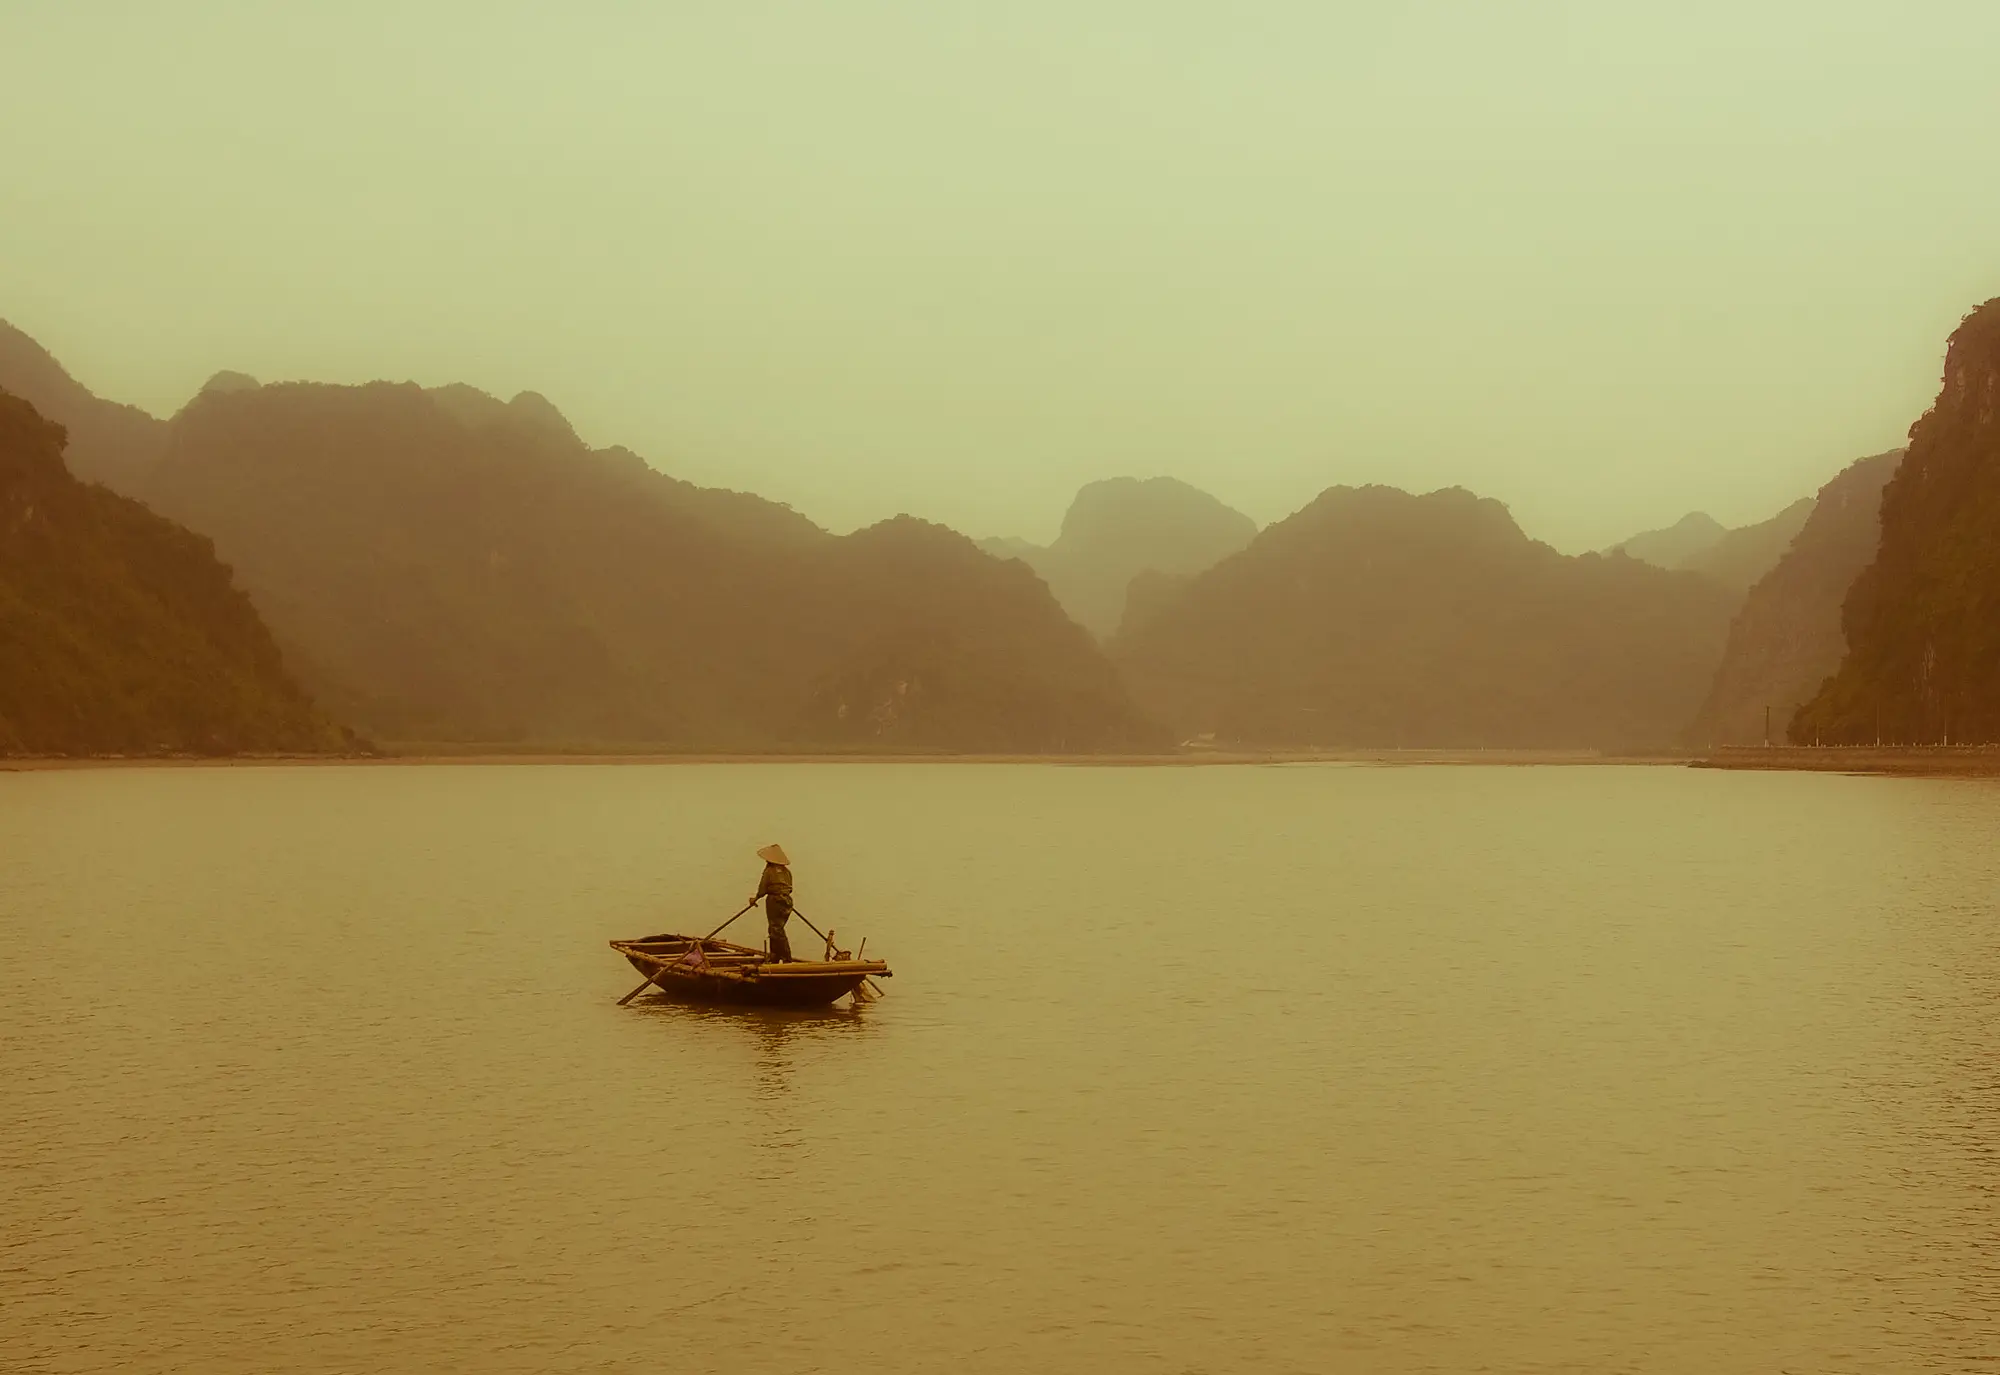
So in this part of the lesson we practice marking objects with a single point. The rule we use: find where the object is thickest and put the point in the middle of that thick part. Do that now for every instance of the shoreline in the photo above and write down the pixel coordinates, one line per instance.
(1867, 761)
(1184, 759)
(1889, 761)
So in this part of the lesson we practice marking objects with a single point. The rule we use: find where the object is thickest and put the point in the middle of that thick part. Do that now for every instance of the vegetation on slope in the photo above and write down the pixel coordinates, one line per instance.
(931, 644)
(447, 567)
(1923, 620)
(120, 633)
(1377, 618)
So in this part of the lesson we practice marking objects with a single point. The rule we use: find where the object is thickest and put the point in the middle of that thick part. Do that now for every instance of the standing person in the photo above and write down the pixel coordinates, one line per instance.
(775, 888)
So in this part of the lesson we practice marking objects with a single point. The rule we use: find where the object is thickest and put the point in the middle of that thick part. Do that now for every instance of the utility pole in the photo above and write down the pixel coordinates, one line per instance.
(1767, 725)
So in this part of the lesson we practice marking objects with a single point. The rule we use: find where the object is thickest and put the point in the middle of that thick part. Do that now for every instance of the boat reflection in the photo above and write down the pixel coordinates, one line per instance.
(782, 1043)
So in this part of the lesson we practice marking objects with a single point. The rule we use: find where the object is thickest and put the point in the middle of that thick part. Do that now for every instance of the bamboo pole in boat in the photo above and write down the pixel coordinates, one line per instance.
(868, 984)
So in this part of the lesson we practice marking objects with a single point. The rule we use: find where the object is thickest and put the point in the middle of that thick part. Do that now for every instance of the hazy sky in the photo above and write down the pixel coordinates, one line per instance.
(1607, 261)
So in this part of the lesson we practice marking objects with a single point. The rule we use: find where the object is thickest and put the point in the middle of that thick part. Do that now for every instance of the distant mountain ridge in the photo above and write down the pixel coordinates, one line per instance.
(441, 565)
(120, 633)
(1691, 536)
(1735, 558)
(1122, 527)
(1787, 640)
(1377, 618)
(1922, 620)
(1745, 554)
(445, 566)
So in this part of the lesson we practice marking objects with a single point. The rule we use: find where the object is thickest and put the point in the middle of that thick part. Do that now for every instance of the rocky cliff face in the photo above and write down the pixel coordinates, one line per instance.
(1786, 641)
(1377, 618)
(120, 633)
(1116, 530)
(1923, 620)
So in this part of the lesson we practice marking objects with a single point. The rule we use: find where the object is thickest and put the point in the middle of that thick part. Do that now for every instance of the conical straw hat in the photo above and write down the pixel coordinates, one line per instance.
(774, 854)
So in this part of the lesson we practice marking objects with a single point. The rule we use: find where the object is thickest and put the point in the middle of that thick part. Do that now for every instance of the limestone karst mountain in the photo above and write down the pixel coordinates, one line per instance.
(441, 565)
(1688, 538)
(120, 632)
(1122, 527)
(1922, 620)
(1786, 640)
(1748, 552)
(445, 566)
(1377, 618)
(1735, 558)
(930, 644)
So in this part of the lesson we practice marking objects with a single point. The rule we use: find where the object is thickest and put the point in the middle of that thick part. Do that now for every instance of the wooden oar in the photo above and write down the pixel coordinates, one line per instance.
(725, 926)
(654, 976)
(814, 929)
(641, 988)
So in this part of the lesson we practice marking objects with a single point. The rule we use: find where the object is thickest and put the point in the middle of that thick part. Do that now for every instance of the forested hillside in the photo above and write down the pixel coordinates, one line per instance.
(1377, 618)
(1922, 621)
(444, 566)
(120, 632)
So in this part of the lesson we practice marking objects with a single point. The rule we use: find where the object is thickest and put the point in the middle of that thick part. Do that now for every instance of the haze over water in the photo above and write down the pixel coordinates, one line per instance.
(1608, 263)
(1183, 1069)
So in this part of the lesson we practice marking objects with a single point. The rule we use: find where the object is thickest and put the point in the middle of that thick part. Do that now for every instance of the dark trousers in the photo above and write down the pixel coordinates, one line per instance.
(778, 911)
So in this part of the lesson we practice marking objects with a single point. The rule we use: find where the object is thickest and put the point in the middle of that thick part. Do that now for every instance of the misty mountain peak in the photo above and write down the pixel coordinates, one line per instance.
(226, 382)
(1121, 527)
(537, 411)
(529, 411)
(1687, 539)
(1375, 617)
(1449, 513)
(1157, 510)
(910, 537)
(467, 403)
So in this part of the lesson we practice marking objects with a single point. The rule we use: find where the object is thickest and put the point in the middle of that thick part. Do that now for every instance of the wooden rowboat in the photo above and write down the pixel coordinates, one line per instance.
(704, 969)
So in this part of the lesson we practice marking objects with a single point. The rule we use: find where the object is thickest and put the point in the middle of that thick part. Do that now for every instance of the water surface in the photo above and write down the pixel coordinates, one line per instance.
(1299, 1068)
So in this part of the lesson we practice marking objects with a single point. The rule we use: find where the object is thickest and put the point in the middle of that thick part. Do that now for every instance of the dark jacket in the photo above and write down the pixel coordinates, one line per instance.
(776, 883)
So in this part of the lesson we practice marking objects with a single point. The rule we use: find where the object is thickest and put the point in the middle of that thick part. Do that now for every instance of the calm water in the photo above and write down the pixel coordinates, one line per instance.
(1277, 1069)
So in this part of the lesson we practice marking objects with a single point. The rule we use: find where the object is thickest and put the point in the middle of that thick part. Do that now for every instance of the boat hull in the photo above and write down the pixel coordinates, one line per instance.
(816, 990)
(738, 974)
